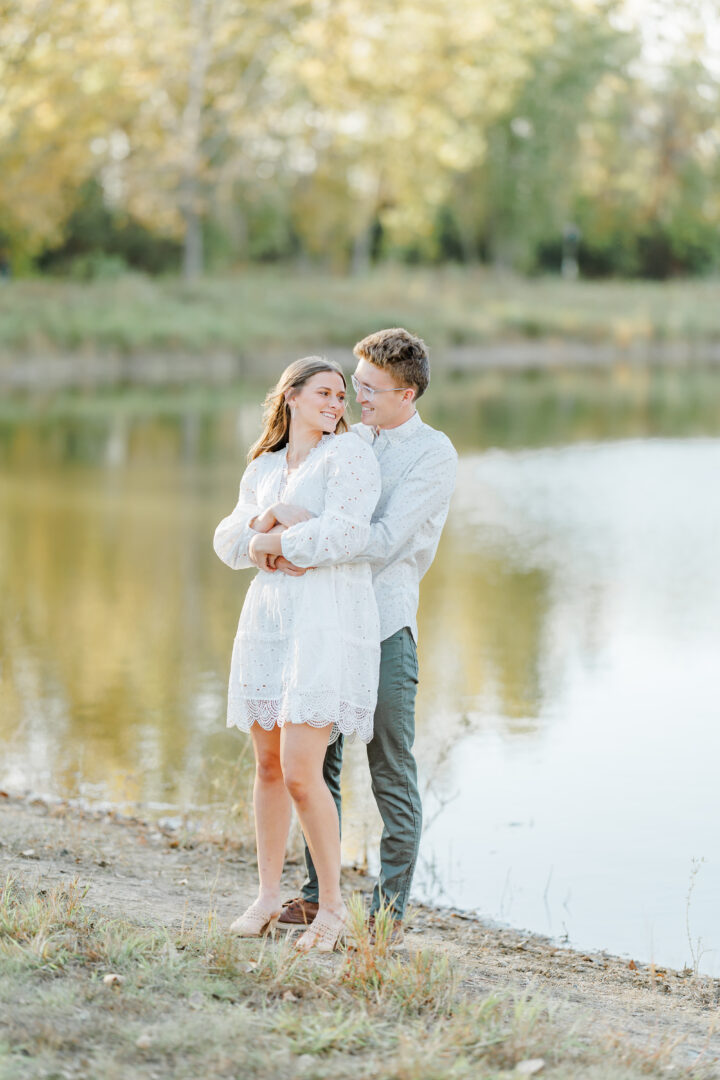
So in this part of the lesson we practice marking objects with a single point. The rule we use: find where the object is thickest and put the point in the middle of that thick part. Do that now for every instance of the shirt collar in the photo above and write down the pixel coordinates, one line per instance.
(402, 431)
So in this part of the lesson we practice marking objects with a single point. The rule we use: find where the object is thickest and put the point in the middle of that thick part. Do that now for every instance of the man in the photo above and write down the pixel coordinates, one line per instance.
(418, 466)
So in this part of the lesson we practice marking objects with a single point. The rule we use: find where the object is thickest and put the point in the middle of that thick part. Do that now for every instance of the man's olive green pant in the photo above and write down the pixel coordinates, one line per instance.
(393, 774)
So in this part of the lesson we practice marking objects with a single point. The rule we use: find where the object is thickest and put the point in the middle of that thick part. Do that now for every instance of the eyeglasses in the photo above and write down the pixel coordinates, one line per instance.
(370, 391)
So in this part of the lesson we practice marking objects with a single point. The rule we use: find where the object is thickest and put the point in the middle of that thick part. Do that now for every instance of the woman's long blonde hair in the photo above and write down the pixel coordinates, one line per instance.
(276, 415)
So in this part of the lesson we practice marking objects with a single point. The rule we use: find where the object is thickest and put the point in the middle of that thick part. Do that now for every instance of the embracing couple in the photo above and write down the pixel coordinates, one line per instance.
(342, 524)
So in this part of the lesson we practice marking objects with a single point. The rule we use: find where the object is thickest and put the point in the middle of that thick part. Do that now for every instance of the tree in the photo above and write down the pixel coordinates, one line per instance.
(649, 168)
(60, 64)
(212, 94)
(401, 100)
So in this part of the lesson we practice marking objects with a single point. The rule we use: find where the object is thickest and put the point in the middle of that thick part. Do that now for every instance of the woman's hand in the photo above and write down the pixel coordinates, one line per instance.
(264, 548)
(286, 514)
(286, 567)
(259, 556)
(264, 522)
(271, 561)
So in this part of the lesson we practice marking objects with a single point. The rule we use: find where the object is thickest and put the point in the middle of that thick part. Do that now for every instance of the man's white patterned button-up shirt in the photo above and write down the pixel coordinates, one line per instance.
(418, 466)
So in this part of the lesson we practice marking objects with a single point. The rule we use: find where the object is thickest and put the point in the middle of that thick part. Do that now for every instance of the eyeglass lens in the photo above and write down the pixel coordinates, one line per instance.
(368, 391)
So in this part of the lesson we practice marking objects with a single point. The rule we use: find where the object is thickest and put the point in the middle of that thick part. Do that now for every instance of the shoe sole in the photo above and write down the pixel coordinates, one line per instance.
(289, 927)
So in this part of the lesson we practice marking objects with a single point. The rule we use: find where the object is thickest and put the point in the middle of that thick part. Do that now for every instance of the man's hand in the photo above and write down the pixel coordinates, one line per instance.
(286, 567)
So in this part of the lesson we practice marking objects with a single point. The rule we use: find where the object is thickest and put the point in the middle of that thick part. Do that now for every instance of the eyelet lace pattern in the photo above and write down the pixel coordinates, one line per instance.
(307, 649)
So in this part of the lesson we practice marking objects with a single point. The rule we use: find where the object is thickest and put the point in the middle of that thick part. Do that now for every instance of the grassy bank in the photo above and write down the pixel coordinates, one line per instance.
(86, 995)
(301, 310)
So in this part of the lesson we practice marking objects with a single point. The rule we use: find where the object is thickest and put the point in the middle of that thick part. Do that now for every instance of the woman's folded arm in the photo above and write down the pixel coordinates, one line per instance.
(341, 531)
(234, 533)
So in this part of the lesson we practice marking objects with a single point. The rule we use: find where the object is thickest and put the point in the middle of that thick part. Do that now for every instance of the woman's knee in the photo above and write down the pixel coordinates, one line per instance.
(302, 756)
(299, 781)
(267, 767)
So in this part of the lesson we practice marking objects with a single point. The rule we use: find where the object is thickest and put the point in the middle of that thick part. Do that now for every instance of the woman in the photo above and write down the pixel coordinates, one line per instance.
(307, 651)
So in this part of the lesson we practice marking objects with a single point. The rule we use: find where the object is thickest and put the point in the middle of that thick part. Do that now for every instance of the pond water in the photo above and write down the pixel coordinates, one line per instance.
(569, 713)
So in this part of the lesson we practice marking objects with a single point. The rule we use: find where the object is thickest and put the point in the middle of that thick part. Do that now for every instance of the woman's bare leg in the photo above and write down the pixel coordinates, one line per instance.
(302, 752)
(273, 809)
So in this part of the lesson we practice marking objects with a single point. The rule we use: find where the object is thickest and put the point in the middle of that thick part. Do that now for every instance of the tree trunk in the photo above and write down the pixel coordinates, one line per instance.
(200, 21)
(193, 254)
(360, 260)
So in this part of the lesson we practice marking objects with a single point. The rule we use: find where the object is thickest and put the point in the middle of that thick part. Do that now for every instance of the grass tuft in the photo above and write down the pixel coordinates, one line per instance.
(419, 982)
(51, 928)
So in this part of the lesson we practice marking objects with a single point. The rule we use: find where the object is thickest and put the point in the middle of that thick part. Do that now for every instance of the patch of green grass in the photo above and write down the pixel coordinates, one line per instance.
(50, 929)
(301, 311)
(200, 1002)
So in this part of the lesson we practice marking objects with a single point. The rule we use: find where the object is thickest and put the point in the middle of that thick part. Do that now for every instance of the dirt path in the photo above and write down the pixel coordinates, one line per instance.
(155, 875)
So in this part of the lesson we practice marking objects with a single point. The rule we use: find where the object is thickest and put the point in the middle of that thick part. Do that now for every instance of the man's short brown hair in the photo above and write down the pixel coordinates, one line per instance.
(400, 353)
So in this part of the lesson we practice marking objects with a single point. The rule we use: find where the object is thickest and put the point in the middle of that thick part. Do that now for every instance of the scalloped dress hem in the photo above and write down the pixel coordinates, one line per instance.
(354, 721)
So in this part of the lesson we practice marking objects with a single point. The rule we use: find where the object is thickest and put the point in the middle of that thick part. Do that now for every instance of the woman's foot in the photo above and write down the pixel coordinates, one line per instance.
(326, 931)
(259, 919)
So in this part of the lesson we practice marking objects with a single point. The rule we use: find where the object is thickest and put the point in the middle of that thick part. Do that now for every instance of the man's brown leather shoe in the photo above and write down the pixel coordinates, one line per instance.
(296, 913)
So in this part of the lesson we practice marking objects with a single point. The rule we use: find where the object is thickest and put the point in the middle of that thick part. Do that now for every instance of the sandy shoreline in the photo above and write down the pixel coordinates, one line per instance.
(158, 875)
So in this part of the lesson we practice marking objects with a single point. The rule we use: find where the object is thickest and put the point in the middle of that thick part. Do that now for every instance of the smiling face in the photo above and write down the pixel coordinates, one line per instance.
(320, 402)
(391, 405)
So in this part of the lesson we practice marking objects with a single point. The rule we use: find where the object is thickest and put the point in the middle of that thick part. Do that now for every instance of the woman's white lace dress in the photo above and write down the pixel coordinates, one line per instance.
(307, 648)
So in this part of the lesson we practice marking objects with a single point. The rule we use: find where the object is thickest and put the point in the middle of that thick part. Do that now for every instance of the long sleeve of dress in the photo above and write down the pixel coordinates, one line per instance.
(233, 534)
(341, 531)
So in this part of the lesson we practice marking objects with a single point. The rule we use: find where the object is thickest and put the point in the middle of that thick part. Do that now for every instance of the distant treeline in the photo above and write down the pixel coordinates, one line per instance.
(159, 134)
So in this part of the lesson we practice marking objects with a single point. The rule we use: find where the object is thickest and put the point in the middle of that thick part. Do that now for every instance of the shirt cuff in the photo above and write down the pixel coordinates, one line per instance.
(287, 547)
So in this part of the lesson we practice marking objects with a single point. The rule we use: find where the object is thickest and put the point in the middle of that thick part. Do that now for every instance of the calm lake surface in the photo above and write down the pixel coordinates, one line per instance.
(569, 713)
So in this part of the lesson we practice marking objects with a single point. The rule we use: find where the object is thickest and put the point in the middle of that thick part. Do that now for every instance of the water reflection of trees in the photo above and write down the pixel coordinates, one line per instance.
(479, 409)
(121, 428)
(545, 408)
(116, 627)
(481, 632)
